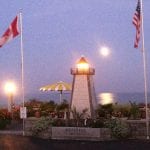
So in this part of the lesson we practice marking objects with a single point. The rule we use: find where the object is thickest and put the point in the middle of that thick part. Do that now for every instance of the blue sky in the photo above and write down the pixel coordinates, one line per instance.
(57, 32)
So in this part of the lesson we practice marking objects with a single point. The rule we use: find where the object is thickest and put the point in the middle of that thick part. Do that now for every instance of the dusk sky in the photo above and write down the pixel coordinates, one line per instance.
(57, 32)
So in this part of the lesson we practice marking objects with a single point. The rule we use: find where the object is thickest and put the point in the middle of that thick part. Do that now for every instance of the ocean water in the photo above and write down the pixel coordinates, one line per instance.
(102, 98)
(122, 98)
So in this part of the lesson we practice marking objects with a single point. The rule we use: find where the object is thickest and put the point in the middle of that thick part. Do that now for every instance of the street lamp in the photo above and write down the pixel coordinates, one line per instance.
(10, 90)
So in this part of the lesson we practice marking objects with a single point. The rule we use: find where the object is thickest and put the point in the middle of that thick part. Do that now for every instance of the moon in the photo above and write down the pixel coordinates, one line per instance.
(104, 51)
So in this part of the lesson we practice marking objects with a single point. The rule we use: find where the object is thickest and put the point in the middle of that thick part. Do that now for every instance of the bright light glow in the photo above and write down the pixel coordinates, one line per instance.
(84, 66)
(106, 98)
(104, 51)
(10, 87)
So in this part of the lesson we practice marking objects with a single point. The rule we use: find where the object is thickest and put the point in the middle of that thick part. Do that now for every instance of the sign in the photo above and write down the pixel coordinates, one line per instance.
(23, 112)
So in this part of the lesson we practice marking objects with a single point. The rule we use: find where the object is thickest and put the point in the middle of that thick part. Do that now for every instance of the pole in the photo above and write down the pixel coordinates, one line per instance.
(22, 64)
(11, 99)
(9, 103)
(145, 73)
(60, 96)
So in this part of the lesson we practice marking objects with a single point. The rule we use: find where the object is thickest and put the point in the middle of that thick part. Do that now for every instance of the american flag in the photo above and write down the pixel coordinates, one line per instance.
(137, 23)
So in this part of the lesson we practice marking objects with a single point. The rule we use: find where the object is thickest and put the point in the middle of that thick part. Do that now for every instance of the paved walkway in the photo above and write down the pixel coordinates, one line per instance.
(17, 142)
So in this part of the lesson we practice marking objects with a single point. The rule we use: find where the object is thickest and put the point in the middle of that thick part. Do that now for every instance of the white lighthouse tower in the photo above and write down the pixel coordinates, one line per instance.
(83, 92)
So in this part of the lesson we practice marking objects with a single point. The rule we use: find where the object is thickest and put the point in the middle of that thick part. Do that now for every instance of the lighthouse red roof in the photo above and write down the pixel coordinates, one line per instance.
(82, 60)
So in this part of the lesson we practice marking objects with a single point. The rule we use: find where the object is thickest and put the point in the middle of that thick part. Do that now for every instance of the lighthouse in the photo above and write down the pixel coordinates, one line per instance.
(83, 91)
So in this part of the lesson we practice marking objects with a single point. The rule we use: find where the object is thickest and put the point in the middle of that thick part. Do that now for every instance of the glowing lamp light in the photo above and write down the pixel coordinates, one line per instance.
(10, 87)
(82, 64)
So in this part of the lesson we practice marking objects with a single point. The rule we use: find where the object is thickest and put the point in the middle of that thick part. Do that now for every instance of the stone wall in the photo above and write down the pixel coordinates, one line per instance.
(77, 133)
(74, 133)
(137, 128)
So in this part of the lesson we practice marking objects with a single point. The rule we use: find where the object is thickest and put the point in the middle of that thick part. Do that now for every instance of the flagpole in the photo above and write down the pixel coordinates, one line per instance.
(145, 73)
(22, 66)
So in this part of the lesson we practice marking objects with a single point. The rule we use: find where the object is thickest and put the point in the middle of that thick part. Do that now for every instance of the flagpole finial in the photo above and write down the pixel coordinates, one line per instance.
(20, 10)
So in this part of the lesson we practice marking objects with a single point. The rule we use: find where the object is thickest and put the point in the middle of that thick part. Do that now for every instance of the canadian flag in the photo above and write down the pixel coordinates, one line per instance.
(11, 32)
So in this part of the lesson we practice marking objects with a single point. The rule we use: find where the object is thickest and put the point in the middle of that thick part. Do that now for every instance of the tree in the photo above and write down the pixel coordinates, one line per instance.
(63, 109)
(105, 110)
(63, 106)
(32, 106)
(47, 107)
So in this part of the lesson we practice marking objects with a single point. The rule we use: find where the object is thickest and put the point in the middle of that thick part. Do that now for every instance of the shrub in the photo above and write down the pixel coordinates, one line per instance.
(105, 110)
(3, 123)
(58, 123)
(119, 129)
(121, 110)
(134, 110)
(97, 123)
(5, 118)
(42, 124)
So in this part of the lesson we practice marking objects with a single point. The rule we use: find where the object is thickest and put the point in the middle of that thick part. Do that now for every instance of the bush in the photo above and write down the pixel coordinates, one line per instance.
(42, 124)
(105, 110)
(5, 118)
(3, 123)
(134, 111)
(119, 129)
(98, 123)
(58, 123)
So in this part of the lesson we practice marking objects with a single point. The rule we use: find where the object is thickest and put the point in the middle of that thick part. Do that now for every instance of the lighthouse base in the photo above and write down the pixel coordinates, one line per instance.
(83, 96)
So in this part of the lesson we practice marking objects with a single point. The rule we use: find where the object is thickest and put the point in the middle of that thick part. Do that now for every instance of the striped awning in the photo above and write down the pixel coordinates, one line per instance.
(59, 86)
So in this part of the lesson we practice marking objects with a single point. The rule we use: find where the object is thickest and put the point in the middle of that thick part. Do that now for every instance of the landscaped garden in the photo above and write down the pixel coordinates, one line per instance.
(51, 114)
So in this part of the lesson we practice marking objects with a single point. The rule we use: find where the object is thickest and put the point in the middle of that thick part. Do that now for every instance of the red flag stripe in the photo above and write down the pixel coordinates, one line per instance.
(14, 27)
(137, 23)
(11, 32)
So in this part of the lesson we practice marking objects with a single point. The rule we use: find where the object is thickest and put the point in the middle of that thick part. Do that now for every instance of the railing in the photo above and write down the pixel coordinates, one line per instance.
(77, 71)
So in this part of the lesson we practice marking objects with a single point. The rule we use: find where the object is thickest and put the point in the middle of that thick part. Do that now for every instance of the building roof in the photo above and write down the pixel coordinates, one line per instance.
(82, 60)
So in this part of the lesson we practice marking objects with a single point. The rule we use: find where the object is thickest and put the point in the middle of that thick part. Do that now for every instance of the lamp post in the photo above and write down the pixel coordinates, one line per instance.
(10, 90)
